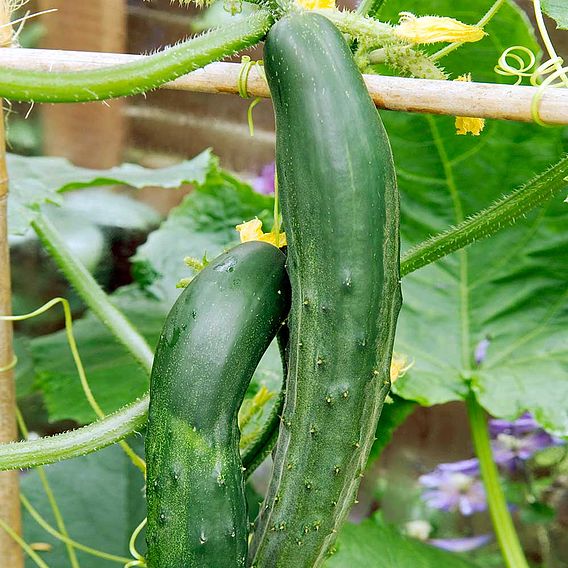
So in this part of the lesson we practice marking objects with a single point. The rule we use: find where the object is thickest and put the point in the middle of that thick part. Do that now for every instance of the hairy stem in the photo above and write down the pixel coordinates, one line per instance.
(500, 516)
(95, 436)
(504, 212)
(136, 77)
(371, 32)
(92, 294)
(131, 418)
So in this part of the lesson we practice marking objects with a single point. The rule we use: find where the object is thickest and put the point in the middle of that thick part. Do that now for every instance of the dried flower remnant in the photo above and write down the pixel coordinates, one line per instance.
(455, 487)
(400, 363)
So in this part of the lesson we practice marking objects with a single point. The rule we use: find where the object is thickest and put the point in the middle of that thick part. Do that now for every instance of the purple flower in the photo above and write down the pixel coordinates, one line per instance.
(455, 487)
(517, 441)
(264, 183)
(461, 544)
(523, 425)
(480, 353)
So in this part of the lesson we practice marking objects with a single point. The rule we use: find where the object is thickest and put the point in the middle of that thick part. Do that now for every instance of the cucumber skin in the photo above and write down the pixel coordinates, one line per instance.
(340, 206)
(211, 344)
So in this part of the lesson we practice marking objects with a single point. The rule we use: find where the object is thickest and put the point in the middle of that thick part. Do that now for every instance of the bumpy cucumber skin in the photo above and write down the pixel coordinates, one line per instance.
(210, 346)
(341, 213)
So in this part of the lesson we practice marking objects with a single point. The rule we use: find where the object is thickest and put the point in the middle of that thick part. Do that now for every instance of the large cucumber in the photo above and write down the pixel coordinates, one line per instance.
(341, 214)
(210, 346)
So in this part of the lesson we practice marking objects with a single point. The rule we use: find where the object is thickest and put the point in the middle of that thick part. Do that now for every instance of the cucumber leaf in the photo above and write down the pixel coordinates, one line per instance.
(509, 289)
(204, 222)
(375, 545)
(111, 497)
(114, 377)
(394, 414)
(558, 11)
(38, 180)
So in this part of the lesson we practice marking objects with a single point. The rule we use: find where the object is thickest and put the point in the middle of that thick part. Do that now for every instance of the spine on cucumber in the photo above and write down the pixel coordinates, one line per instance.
(341, 214)
(211, 343)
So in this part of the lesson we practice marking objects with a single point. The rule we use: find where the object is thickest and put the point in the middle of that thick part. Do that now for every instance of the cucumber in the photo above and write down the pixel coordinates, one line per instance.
(341, 213)
(212, 341)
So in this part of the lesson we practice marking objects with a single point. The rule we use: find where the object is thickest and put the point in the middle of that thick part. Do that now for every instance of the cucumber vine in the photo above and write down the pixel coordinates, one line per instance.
(373, 43)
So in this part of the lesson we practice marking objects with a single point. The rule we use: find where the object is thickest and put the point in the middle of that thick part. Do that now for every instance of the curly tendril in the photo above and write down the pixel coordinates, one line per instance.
(136, 460)
(551, 73)
(139, 560)
(242, 84)
(10, 365)
(520, 62)
(512, 64)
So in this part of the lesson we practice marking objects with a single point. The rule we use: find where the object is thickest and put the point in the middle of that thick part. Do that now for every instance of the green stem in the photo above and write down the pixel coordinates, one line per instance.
(138, 76)
(95, 436)
(367, 30)
(481, 24)
(500, 516)
(504, 212)
(92, 294)
(133, 417)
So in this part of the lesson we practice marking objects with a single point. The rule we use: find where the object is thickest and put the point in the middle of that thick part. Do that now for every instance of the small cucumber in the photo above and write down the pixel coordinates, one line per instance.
(341, 213)
(212, 341)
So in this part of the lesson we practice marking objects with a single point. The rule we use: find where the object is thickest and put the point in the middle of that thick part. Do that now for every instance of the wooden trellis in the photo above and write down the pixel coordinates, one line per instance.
(484, 100)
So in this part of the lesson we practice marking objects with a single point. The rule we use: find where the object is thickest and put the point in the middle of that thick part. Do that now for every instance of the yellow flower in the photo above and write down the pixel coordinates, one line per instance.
(400, 363)
(252, 231)
(432, 29)
(465, 124)
(316, 4)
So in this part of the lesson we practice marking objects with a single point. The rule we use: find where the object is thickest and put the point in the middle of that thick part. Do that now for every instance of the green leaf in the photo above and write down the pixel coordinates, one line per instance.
(113, 376)
(393, 415)
(108, 209)
(101, 499)
(35, 181)
(374, 545)
(510, 288)
(558, 11)
(204, 223)
(24, 370)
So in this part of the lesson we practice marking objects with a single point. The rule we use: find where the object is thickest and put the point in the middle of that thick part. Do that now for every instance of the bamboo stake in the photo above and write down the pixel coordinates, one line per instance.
(10, 551)
(484, 100)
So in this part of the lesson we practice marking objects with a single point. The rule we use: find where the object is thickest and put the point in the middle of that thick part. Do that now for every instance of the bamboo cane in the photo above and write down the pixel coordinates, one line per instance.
(10, 552)
(484, 100)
